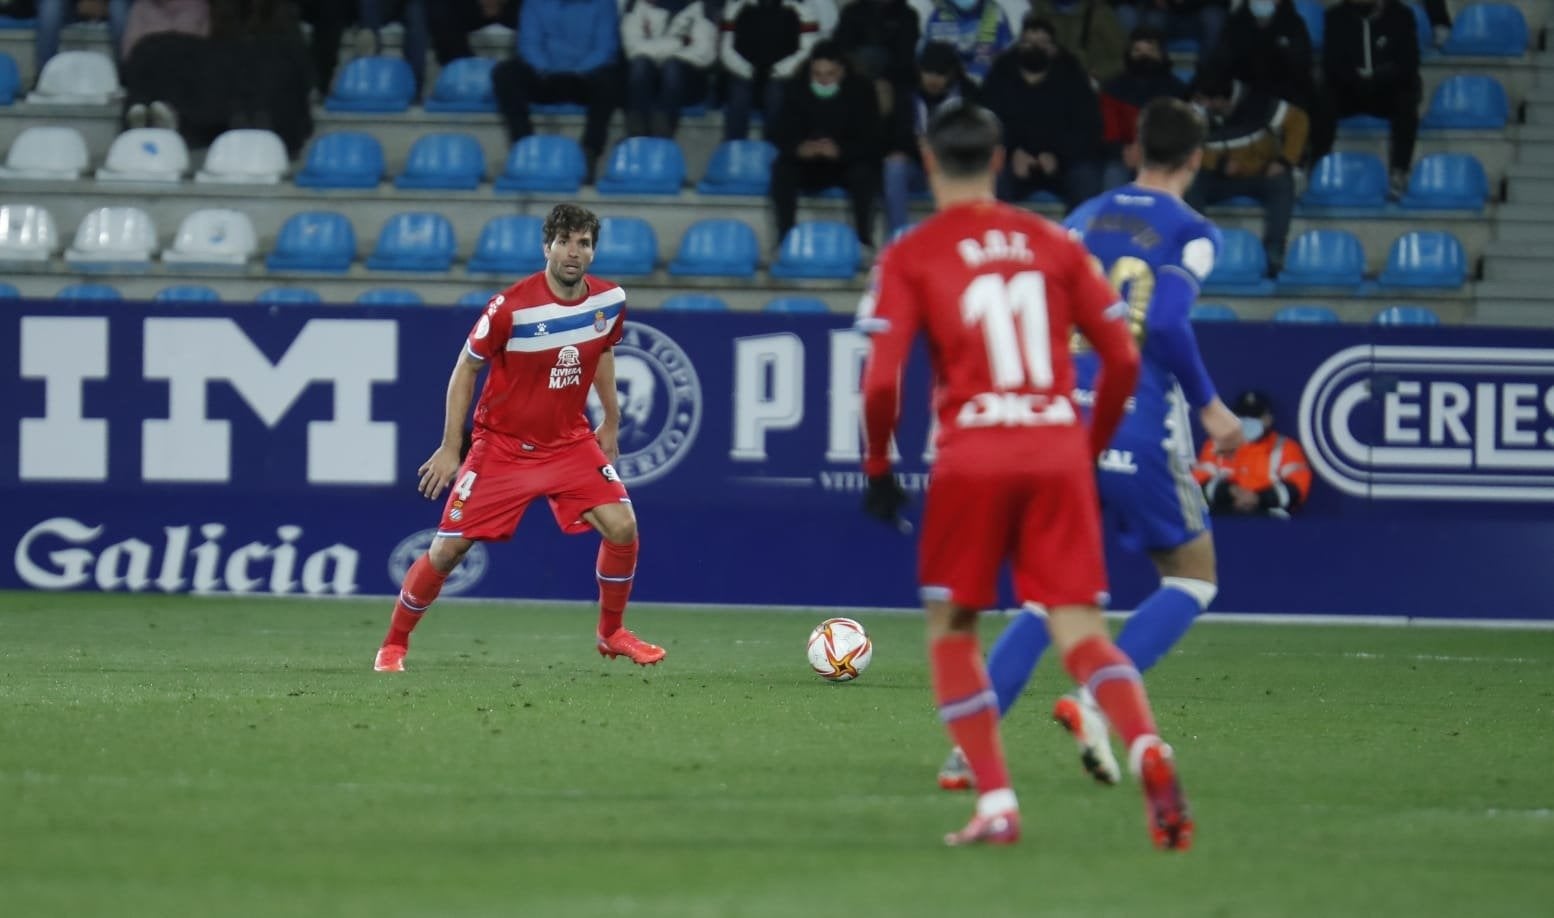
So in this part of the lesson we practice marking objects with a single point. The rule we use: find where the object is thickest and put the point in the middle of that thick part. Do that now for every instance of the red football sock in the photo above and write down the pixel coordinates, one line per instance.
(969, 708)
(617, 566)
(1111, 677)
(422, 584)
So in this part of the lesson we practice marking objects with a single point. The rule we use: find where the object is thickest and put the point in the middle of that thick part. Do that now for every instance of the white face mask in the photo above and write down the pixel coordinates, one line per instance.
(1252, 429)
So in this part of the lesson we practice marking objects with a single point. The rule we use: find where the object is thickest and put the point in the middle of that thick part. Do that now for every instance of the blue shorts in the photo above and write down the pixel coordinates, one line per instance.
(1149, 499)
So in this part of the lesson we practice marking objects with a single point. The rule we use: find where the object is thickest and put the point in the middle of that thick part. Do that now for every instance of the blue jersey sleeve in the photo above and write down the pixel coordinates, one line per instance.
(1169, 337)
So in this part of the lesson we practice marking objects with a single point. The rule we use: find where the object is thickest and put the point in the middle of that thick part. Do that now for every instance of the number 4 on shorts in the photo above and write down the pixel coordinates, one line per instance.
(465, 485)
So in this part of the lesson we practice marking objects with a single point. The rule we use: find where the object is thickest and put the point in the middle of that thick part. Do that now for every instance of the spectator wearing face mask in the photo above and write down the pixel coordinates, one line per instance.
(1146, 76)
(827, 135)
(1090, 31)
(1370, 66)
(1266, 46)
(1266, 476)
(979, 30)
(1195, 20)
(941, 78)
(1051, 119)
(1254, 142)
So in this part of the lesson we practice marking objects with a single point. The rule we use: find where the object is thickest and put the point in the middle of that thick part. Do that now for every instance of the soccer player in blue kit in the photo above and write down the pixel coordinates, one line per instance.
(1156, 250)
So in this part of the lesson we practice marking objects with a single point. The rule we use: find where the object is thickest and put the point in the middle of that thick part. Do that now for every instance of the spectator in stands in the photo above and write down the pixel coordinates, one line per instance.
(827, 135)
(53, 15)
(1195, 20)
(1266, 476)
(879, 38)
(1051, 119)
(1146, 76)
(764, 43)
(1090, 31)
(152, 73)
(980, 30)
(1370, 65)
(941, 78)
(266, 79)
(330, 18)
(1440, 20)
(450, 23)
(1253, 144)
(150, 17)
(568, 51)
(828, 14)
(1266, 46)
(669, 46)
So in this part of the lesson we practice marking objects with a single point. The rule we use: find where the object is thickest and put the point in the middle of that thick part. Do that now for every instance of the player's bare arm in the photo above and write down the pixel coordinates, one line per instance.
(609, 430)
(438, 471)
(1222, 426)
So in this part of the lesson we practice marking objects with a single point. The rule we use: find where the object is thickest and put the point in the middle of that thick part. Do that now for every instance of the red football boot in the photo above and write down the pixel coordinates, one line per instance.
(391, 658)
(1169, 823)
(623, 643)
(997, 829)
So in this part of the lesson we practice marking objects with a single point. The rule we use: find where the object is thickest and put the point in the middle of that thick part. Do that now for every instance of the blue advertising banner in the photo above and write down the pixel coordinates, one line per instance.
(267, 450)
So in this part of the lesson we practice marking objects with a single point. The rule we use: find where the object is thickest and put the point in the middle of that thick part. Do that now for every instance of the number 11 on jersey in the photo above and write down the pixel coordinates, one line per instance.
(1013, 315)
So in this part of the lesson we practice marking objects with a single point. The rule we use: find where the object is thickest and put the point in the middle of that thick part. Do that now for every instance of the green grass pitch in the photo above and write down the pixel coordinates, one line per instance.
(192, 756)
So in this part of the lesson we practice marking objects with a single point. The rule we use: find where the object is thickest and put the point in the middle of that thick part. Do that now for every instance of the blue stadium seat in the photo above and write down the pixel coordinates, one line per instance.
(1313, 11)
(187, 293)
(510, 245)
(343, 159)
(10, 79)
(1423, 28)
(1488, 30)
(818, 248)
(796, 305)
(9, 292)
(1212, 312)
(390, 296)
(1363, 124)
(1425, 258)
(694, 302)
(543, 162)
(742, 167)
(464, 85)
(1353, 180)
(717, 248)
(1185, 74)
(1241, 267)
(85, 292)
(1306, 315)
(444, 161)
(1468, 101)
(627, 247)
(1324, 258)
(1407, 315)
(318, 240)
(17, 23)
(289, 296)
(558, 108)
(417, 241)
(644, 165)
(1447, 181)
(372, 84)
(476, 298)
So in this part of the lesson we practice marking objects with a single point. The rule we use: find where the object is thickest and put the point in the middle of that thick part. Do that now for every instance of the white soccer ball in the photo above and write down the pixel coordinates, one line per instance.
(839, 650)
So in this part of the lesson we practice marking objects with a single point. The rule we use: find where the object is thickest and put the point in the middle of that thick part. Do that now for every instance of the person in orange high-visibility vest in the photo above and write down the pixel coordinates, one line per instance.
(1266, 476)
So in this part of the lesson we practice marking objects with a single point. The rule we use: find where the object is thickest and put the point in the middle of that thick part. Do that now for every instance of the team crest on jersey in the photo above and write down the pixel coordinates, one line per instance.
(600, 323)
(568, 370)
(660, 400)
(466, 575)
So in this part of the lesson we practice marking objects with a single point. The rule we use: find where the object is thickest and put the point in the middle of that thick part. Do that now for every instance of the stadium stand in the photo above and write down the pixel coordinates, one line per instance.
(627, 247)
(27, 233)
(343, 159)
(444, 162)
(10, 79)
(1324, 258)
(509, 246)
(1447, 181)
(47, 153)
(1213, 312)
(1305, 314)
(796, 305)
(289, 296)
(113, 238)
(694, 302)
(188, 293)
(644, 165)
(717, 248)
(1488, 30)
(76, 78)
(818, 249)
(245, 157)
(1407, 315)
(1425, 258)
(146, 155)
(544, 163)
(314, 241)
(389, 296)
(1241, 267)
(88, 291)
(1350, 180)
(421, 241)
(464, 86)
(739, 167)
(372, 84)
(213, 238)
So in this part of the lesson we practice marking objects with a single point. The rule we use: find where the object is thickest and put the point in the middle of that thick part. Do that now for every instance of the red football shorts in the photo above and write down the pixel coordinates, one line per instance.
(498, 481)
(1046, 524)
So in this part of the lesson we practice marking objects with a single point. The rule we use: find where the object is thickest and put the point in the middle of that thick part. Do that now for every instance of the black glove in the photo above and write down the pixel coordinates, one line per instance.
(884, 498)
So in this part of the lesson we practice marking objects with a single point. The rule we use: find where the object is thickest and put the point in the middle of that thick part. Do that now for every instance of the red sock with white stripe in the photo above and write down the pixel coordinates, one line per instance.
(1112, 679)
(969, 710)
(422, 584)
(617, 567)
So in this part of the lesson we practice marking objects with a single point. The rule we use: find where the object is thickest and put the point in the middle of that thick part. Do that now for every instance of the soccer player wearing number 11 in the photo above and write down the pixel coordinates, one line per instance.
(997, 291)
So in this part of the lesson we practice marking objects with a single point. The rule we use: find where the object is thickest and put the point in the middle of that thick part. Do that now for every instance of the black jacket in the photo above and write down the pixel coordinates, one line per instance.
(1385, 41)
(910, 118)
(1059, 115)
(880, 39)
(851, 118)
(1276, 59)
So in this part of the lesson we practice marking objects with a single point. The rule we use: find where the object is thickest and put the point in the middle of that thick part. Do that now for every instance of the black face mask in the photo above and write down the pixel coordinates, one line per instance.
(1146, 66)
(1033, 59)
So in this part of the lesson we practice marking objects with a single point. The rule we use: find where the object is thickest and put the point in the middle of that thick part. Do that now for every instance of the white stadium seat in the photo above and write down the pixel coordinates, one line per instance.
(120, 237)
(46, 154)
(27, 233)
(76, 78)
(213, 237)
(146, 155)
(245, 157)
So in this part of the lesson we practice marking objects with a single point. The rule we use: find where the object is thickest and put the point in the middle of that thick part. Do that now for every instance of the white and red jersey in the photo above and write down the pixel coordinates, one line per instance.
(997, 291)
(542, 355)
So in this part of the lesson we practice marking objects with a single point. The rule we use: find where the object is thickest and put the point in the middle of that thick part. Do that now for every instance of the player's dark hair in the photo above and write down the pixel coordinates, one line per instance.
(962, 136)
(828, 50)
(1035, 22)
(566, 219)
(1170, 131)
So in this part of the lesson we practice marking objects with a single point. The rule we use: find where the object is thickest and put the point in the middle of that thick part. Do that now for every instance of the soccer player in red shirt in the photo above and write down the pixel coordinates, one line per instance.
(546, 339)
(998, 291)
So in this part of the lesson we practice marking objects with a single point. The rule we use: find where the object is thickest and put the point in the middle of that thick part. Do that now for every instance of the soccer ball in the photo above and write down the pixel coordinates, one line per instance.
(839, 650)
